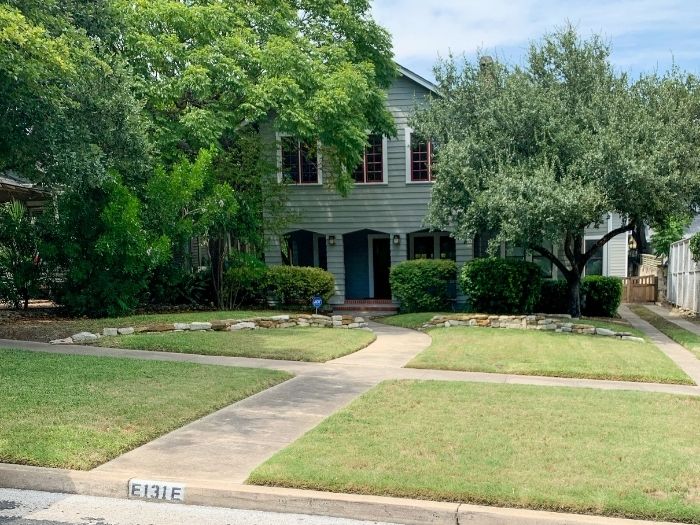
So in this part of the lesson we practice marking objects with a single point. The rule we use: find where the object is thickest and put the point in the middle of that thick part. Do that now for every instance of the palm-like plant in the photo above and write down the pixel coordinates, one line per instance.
(20, 270)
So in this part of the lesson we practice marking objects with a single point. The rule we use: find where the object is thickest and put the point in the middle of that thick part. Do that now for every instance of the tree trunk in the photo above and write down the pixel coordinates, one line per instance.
(574, 281)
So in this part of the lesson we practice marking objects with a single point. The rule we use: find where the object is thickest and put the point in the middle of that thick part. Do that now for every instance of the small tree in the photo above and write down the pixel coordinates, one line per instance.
(537, 153)
(20, 270)
(669, 232)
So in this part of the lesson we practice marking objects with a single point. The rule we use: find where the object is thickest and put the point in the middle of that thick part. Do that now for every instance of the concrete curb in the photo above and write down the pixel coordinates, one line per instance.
(275, 499)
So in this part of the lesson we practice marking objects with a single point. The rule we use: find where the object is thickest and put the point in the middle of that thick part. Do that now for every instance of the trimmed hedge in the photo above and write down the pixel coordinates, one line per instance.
(600, 296)
(501, 286)
(422, 285)
(296, 285)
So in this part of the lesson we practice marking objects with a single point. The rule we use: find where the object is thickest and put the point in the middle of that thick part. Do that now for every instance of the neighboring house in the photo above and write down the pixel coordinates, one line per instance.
(13, 187)
(359, 237)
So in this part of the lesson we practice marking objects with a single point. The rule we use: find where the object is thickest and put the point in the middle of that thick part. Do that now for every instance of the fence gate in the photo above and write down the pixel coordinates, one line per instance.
(639, 289)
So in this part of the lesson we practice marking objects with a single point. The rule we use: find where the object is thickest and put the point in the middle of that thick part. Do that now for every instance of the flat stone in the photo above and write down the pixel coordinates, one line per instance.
(337, 318)
(633, 338)
(279, 318)
(66, 341)
(110, 332)
(84, 337)
(358, 320)
(566, 329)
(200, 326)
(548, 327)
(182, 326)
(354, 325)
(245, 325)
(605, 332)
(219, 325)
(321, 317)
(286, 325)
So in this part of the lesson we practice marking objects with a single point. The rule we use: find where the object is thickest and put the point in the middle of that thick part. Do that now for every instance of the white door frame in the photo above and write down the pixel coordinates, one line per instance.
(370, 257)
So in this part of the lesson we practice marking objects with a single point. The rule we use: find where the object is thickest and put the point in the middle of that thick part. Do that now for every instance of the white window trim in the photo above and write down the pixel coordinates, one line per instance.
(407, 149)
(319, 161)
(370, 257)
(605, 252)
(385, 167)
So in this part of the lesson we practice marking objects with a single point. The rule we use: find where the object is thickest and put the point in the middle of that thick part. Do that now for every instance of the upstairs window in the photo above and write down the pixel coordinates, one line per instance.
(371, 169)
(299, 162)
(422, 152)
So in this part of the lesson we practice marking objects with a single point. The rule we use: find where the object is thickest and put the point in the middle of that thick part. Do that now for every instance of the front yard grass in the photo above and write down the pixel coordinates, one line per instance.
(616, 453)
(414, 320)
(292, 344)
(77, 412)
(45, 330)
(680, 335)
(528, 352)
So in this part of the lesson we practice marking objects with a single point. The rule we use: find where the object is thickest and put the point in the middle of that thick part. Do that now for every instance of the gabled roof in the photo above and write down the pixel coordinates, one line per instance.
(417, 79)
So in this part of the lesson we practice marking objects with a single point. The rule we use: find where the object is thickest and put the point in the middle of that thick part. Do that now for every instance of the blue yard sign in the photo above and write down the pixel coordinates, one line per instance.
(317, 302)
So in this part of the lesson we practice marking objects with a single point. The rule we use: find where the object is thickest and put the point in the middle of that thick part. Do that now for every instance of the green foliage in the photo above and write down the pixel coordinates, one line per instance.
(602, 295)
(173, 284)
(244, 281)
(537, 152)
(500, 286)
(100, 251)
(554, 297)
(297, 285)
(20, 269)
(422, 285)
(210, 70)
(695, 247)
(668, 232)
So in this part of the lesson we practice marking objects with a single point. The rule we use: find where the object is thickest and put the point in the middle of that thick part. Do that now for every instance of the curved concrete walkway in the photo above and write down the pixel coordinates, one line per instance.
(684, 359)
(675, 319)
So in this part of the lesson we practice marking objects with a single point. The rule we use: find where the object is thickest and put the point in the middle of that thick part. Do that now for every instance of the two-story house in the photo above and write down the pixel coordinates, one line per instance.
(381, 223)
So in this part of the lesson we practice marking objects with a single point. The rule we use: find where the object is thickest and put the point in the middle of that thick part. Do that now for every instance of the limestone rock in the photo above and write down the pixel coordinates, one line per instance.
(279, 318)
(110, 332)
(605, 332)
(66, 341)
(182, 326)
(244, 325)
(200, 326)
(84, 337)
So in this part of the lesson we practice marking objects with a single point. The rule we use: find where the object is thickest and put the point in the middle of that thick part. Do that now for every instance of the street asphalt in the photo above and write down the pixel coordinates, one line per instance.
(26, 507)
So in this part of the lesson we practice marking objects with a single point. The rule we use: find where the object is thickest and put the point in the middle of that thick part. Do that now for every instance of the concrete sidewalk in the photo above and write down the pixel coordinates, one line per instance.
(675, 319)
(683, 358)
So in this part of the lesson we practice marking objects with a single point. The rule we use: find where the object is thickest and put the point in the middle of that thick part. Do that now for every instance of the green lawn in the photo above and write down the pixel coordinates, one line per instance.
(48, 329)
(78, 412)
(415, 320)
(680, 335)
(293, 344)
(511, 351)
(616, 453)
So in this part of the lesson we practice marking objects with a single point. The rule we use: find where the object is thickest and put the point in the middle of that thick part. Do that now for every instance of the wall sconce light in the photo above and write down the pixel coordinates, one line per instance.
(331, 240)
(397, 239)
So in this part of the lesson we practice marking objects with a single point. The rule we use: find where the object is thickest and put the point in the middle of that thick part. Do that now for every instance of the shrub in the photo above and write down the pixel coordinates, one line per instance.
(173, 285)
(296, 285)
(601, 295)
(244, 281)
(554, 297)
(695, 247)
(501, 286)
(422, 285)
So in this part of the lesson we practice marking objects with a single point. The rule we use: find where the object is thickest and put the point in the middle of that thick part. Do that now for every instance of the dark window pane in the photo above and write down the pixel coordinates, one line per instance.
(424, 247)
(290, 159)
(420, 160)
(374, 161)
(594, 266)
(515, 252)
(308, 164)
(448, 248)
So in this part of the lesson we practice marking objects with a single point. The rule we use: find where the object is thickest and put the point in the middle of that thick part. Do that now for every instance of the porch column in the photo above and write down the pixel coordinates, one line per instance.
(399, 252)
(336, 265)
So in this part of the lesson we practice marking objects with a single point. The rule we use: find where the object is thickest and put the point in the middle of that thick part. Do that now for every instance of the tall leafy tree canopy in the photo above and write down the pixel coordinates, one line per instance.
(533, 154)
(209, 70)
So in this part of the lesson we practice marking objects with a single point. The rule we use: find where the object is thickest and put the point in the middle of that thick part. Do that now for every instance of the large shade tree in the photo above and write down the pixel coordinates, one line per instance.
(534, 154)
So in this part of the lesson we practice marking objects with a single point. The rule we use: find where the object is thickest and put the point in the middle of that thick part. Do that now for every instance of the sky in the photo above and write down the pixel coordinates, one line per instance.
(645, 35)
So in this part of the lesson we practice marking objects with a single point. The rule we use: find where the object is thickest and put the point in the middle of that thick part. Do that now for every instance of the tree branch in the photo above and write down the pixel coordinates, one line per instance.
(605, 238)
(544, 252)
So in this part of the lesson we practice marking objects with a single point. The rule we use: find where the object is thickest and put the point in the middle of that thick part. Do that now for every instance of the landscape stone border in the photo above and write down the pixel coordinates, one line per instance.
(232, 325)
(558, 324)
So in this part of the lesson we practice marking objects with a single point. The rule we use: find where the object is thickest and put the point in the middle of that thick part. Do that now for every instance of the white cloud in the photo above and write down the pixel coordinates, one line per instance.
(641, 31)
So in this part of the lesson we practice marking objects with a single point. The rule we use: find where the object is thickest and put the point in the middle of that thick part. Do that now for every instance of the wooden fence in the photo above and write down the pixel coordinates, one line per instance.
(639, 289)
(683, 277)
